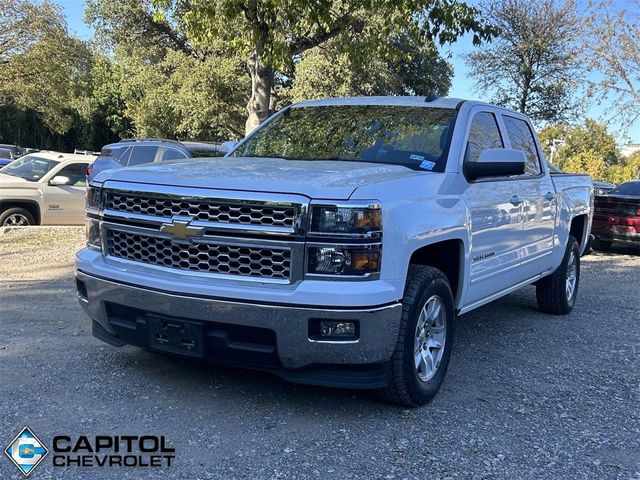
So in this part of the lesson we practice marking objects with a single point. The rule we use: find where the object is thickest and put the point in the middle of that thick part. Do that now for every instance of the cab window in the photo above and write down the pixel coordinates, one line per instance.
(76, 173)
(521, 138)
(484, 133)
(142, 154)
(172, 154)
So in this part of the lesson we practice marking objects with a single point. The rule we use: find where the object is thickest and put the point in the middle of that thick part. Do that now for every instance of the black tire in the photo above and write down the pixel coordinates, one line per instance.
(405, 387)
(551, 291)
(604, 245)
(12, 213)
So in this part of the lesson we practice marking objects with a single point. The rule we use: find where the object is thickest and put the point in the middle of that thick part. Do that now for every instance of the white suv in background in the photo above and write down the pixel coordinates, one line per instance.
(44, 188)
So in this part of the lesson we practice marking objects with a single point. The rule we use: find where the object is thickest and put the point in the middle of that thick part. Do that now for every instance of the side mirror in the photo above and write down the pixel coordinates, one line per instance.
(496, 162)
(60, 180)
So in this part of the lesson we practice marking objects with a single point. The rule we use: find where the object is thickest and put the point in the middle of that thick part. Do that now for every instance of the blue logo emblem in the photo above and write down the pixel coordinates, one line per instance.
(26, 451)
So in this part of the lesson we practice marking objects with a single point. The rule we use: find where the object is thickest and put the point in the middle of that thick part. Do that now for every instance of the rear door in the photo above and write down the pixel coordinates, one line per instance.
(64, 204)
(495, 214)
(538, 193)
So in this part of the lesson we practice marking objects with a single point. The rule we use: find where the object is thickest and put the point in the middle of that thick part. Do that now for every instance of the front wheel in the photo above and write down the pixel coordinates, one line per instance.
(16, 217)
(421, 356)
(557, 293)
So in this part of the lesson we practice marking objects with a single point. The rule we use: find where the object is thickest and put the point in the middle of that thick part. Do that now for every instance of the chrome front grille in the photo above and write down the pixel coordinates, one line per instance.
(217, 211)
(244, 261)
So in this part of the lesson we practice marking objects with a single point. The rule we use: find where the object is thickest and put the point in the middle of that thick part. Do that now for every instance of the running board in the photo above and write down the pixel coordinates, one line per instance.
(495, 296)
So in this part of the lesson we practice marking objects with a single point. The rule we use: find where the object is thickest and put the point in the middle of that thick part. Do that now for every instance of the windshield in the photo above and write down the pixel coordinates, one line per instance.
(411, 136)
(629, 188)
(29, 167)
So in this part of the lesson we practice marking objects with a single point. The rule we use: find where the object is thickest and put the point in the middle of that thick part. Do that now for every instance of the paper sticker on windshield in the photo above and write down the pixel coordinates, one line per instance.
(427, 165)
(413, 156)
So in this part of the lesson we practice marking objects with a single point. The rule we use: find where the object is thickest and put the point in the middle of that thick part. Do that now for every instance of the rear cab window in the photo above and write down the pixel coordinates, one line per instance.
(521, 138)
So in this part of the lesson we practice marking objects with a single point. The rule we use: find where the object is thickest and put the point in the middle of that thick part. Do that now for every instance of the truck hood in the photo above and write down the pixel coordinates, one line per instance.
(9, 181)
(316, 179)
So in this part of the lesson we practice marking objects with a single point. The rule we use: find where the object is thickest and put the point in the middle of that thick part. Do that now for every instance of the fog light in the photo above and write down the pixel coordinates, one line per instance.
(337, 329)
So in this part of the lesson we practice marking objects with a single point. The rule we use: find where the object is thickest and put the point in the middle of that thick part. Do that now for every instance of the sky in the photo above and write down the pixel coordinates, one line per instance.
(462, 84)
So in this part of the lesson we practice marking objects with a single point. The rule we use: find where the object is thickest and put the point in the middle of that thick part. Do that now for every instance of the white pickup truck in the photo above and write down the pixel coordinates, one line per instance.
(337, 244)
(44, 188)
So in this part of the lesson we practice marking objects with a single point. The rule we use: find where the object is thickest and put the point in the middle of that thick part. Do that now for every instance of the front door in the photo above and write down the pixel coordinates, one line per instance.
(64, 204)
(495, 205)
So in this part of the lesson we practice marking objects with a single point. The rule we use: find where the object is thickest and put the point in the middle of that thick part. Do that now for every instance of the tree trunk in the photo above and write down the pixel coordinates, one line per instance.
(259, 103)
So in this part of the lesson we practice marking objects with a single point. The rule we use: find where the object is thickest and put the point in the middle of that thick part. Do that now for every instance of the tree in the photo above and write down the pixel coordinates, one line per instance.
(613, 48)
(533, 64)
(272, 35)
(47, 69)
(591, 149)
(328, 72)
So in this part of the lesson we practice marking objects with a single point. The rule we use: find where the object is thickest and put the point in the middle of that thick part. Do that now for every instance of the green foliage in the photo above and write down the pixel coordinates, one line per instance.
(281, 29)
(329, 72)
(590, 149)
(183, 97)
(534, 63)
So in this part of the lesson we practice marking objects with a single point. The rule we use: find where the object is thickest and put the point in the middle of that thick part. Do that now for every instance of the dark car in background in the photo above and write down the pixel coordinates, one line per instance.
(6, 156)
(16, 151)
(127, 153)
(617, 216)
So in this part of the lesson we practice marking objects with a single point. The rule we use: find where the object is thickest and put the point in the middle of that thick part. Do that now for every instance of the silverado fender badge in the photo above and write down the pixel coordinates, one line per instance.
(477, 258)
(181, 229)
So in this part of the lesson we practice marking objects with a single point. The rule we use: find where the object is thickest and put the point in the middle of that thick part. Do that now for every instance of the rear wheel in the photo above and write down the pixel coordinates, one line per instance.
(423, 349)
(16, 217)
(557, 293)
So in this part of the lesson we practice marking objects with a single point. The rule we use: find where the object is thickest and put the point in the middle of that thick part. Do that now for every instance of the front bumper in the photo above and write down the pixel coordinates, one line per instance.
(280, 333)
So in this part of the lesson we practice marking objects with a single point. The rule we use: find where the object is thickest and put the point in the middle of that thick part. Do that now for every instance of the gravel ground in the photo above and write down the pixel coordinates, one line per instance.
(527, 395)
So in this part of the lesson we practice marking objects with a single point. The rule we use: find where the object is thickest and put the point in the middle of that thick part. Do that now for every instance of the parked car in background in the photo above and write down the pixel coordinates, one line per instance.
(15, 149)
(46, 188)
(617, 216)
(6, 156)
(337, 243)
(127, 153)
(602, 188)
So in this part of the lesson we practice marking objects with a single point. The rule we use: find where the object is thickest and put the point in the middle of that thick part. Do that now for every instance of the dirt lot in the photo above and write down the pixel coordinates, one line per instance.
(527, 395)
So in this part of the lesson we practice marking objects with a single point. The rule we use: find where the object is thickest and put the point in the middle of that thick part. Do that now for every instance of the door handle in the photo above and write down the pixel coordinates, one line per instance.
(550, 196)
(516, 200)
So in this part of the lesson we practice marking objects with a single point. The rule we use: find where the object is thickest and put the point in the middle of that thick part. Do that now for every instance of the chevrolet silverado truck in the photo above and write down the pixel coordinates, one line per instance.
(337, 243)
(44, 188)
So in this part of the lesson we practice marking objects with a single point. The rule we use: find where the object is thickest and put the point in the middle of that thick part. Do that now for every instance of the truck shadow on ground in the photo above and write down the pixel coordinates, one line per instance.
(501, 339)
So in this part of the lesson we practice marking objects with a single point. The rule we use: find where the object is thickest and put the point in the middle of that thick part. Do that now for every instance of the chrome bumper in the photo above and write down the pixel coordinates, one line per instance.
(378, 325)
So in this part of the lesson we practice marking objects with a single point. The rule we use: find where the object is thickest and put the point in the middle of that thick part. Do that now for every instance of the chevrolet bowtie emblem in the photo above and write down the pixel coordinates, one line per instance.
(181, 229)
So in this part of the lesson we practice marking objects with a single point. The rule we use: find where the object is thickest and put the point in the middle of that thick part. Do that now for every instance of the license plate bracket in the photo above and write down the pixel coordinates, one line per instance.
(175, 336)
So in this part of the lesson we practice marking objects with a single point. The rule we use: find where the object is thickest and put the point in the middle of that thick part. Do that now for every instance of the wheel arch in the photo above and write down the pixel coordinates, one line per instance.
(448, 257)
(578, 228)
(29, 205)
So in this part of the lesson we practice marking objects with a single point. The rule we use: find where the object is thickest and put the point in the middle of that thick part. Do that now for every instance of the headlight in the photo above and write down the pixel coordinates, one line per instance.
(344, 259)
(92, 229)
(92, 198)
(358, 221)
